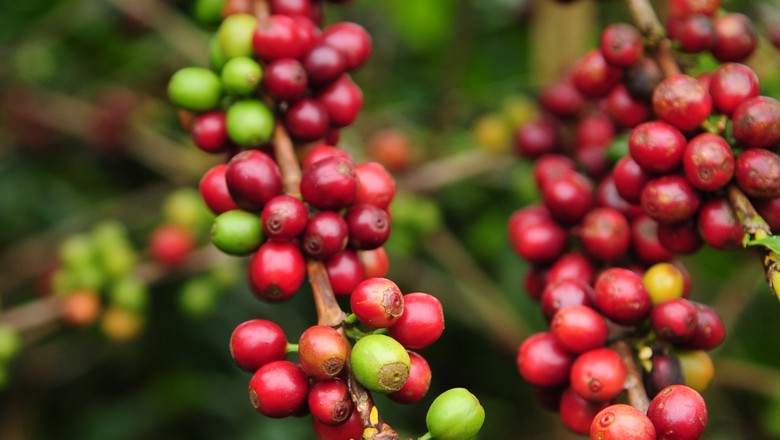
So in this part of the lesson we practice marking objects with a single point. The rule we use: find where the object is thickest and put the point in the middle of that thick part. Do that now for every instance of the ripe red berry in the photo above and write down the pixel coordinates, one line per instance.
(279, 389)
(276, 271)
(622, 422)
(607, 197)
(621, 44)
(369, 226)
(696, 33)
(680, 238)
(674, 320)
(579, 328)
(418, 382)
(351, 429)
(718, 225)
(330, 402)
(421, 323)
(253, 178)
(345, 271)
(598, 375)
(323, 65)
(565, 293)
(731, 85)
(377, 302)
(257, 342)
(284, 217)
(642, 77)
(656, 146)
(536, 137)
(605, 234)
(330, 183)
(326, 234)
(620, 295)
(209, 132)
(682, 101)
(351, 40)
(630, 178)
(214, 191)
(678, 413)
(376, 185)
(645, 242)
(594, 76)
(756, 122)
(573, 265)
(276, 37)
(708, 162)
(540, 242)
(171, 244)
(562, 99)
(542, 362)
(307, 119)
(576, 413)
(342, 100)
(594, 129)
(322, 151)
(322, 352)
(670, 199)
(710, 330)
(568, 198)
(769, 209)
(626, 110)
(375, 262)
(285, 79)
(735, 37)
(292, 8)
(666, 371)
(684, 8)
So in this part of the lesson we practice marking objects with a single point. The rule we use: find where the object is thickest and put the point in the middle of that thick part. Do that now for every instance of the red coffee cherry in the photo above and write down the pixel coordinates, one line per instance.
(735, 37)
(678, 413)
(718, 225)
(564, 293)
(710, 330)
(209, 132)
(284, 217)
(562, 99)
(536, 137)
(276, 271)
(551, 167)
(369, 226)
(214, 191)
(253, 178)
(756, 122)
(330, 183)
(534, 281)
(626, 110)
(542, 362)
(322, 352)
(540, 242)
(80, 308)
(376, 185)
(322, 151)
(656, 146)
(257, 342)
(621, 422)
(276, 37)
(351, 40)
(171, 244)
(708, 162)
(674, 320)
(375, 262)
(731, 85)
(682, 101)
(696, 33)
(550, 398)
(568, 198)
(680, 238)
(342, 100)
(285, 79)
(596, 128)
(330, 402)
(769, 209)
(573, 265)
(598, 375)
(593, 76)
(620, 295)
(279, 389)
(326, 234)
(645, 242)
(323, 65)
(351, 429)
(417, 384)
(576, 413)
(605, 234)
(621, 44)
(684, 8)
(307, 119)
(670, 199)
(630, 179)
(607, 197)
(642, 77)
(579, 328)
(666, 371)
(377, 302)
(421, 323)
(345, 271)
(292, 8)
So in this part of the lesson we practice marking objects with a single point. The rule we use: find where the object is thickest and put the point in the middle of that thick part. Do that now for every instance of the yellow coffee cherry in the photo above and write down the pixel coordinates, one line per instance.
(120, 324)
(663, 282)
(697, 369)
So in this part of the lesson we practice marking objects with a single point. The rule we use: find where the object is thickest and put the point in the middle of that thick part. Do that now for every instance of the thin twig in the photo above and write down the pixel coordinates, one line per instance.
(637, 395)
(453, 168)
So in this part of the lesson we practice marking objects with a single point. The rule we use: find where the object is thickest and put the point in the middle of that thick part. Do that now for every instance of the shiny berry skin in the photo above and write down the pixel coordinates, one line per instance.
(342, 100)
(249, 123)
(351, 40)
(351, 429)
(307, 119)
(718, 225)
(644, 240)
(630, 178)
(670, 199)
(678, 413)
(376, 185)
(455, 414)
(292, 8)
(735, 37)
(214, 191)
(626, 110)
(279, 389)
(708, 162)
(285, 79)
(237, 232)
(171, 244)
(593, 76)
(421, 323)
(620, 295)
(594, 129)
(680, 238)
(682, 101)
(642, 77)
(276, 271)
(769, 209)
(195, 88)
(565, 293)
(551, 167)
(322, 351)
(345, 271)
(666, 371)
(380, 363)
(284, 217)
(562, 99)
(392, 148)
(576, 413)
(253, 178)
(684, 8)
(697, 368)
(276, 37)
(664, 282)
(323, 65)
(330, 402)
(696, 33)
(526, 216)
(322, 151)
(326, 234)
(540, 242)
(535, 138)
(209, 132)
(257, 342)
(418, 382)
(579, 328)
(731, 85)
(656, 146)
(542, 362)
(377, 302)
(674, 320)
(330, 183)
(756, 122)
(621, 422)
(369, 226)
(621, 44)
(573, 265)
(598, 375)
(605, 234)
(607, 197)
(568, 198)
(375, 262)
(710, 330)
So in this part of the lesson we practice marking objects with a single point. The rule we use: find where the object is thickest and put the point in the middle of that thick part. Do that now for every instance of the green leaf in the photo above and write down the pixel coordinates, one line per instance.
(772, 243)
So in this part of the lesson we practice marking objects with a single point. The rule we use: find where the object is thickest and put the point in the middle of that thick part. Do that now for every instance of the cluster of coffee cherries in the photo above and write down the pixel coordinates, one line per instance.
(634, 166)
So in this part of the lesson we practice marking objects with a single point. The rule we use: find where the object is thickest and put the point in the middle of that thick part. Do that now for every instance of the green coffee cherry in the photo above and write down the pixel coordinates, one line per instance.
(115, 254)
(237, 232)
(129, 293)
(76, 251)
(195, 88)
(380, 363)
(198, 296)
(241, 76)
(185, 207)
(235, 35)
(455, 415)
(250, 123)
(10, 343)
(217, 58)
(208, 11)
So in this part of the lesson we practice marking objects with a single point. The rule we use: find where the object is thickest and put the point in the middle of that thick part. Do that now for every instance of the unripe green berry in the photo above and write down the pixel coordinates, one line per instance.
(217, 58)
(241, 76)
(185, 207)
(129, 293)
(235, 35)
(380, 363)
(250, 123)
(198, 296)
(195, 88)
(10, 343)
(76, 250)
(455, 415)
(208, 11)
(237, 232)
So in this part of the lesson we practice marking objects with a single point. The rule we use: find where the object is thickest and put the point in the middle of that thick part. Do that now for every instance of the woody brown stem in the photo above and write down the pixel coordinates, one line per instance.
(637, 396)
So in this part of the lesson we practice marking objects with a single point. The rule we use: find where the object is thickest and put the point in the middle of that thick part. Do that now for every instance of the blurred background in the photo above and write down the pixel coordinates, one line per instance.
(92, 155)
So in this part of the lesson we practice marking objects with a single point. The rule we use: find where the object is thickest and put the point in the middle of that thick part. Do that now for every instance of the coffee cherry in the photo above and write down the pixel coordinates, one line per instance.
(380, 363)
(670, 199)
(684, 8)
(369, 226)
(696, 33)
(421, 323)
(276, 271)
(323, 151)
(576, 413)
(678, 413)
(257, 342)
(621, 422)
(568, 198)
(540, 242)
(345, 271)
(237, 232)
(351, 40)
(542, 362)
(656, 146)
(322, 352)
(620, 295)
(292, 8)
(718, 225)
(593, 76)
(598, 375)
(377, 302)
(376, 185)
(455, 414)
(592, 159)
(680, 238)
(241, 76)
(674, 320)
(757, 173)
(392, 148)
(214, 191)
(307, 119)
(605, 234)
(735, 37)
(563, 293)
(708, 162)
(755, 122)
(209, 132)
(681, 101)
(666, 371)
(330, 183)
(630, 178)
(352, 428)
(330, 402)
(250, 123)
(621, 44)
(664, 282)
(80, 308)
(535, 138)
(284, 217)
(285, 79)
(323, 65)
(417, 384)
(171, 244)
(731, 85)
(10, 343)
(253, 178)
(562, 99)
(278, 389)
(710, 330)
(642, 77)
(342, 100)
(769, 209)
(235, 35)
(551, 167)
(326, 234)
(697, 369)
(626, 110)
(119, 324)
(195, 88)
(579, 328)
(277, 37)
(375, 262)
